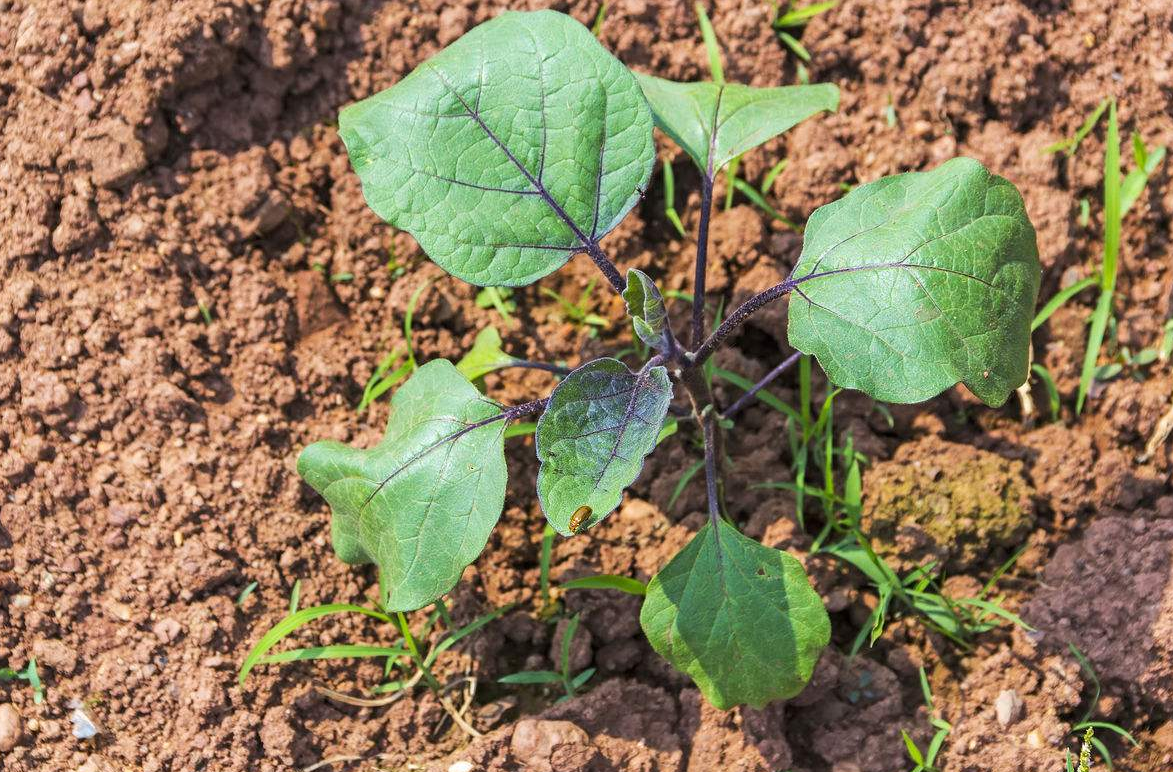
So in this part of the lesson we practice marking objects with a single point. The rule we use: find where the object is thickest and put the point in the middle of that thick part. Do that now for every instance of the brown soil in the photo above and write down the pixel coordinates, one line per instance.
(163, 161)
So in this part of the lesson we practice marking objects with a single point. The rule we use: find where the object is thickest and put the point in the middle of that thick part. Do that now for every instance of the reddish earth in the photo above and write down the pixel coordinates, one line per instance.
(160, 158)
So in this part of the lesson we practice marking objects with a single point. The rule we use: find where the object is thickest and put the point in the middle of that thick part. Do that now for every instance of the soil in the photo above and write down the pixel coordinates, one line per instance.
(175, 201)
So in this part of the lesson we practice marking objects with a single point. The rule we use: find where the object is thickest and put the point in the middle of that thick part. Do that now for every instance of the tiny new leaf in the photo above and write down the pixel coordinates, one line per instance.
(716, 123)
(740, 618)
(421, 503)
(915, 282)
(591, 441)
(485, 356)
(645, 305)
(519, 145)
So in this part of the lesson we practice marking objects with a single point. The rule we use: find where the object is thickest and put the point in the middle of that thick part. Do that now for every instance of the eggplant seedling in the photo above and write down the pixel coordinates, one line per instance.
(518, 148)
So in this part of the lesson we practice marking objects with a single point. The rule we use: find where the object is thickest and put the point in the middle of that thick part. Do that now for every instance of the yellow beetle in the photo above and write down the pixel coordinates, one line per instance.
(580, 516)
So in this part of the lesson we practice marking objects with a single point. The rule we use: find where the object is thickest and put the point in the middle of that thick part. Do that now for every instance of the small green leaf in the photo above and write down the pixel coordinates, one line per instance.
(519, 145)
(912, 283)
(421, 503)
(645, 305)
(591, 441)
(531, 677)
(741, 117)
(739, 618)
(485, 356)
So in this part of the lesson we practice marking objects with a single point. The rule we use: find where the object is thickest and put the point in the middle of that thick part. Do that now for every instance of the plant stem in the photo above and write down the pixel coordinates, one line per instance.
(529, 364)
(702, 249)
(711, 479)
(606, 266)
(747, 397)
(738, 318)
(409, 639)
(517, 411)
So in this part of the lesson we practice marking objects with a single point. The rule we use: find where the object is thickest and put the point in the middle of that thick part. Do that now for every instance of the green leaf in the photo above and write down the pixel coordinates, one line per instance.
(519, 145)
(607, 582)
(485, 356)
(741, 117)
(645, 305)
(421, 503)
(912, 283)
(591, 441)
(739, 618)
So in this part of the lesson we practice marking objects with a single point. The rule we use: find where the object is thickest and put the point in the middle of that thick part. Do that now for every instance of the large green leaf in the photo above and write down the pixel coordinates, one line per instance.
(421, 503)
(739, 618)
(645, 306)
(517, 146)
(716, 123)
(912, 283)
(601, 422)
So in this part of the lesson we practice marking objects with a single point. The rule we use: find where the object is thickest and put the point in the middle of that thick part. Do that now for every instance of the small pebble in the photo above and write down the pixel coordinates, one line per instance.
(461, 766)
(10, 727)
(1008, 707)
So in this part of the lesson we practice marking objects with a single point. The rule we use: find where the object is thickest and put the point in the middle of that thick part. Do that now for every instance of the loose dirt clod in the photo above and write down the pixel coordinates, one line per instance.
(946, 502)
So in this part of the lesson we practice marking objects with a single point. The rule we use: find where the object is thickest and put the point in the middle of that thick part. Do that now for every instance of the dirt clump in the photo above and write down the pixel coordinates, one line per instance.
(941, 501)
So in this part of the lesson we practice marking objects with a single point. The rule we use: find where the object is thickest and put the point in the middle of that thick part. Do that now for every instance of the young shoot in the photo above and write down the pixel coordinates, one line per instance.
(520, 147)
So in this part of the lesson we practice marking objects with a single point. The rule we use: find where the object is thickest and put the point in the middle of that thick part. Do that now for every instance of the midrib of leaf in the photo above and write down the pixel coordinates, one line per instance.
(451, 438)
(713, 129)
(539, 188)
(628, 416)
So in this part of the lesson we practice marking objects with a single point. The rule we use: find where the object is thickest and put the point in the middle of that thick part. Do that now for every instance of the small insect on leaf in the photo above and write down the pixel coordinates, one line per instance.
(579, 518)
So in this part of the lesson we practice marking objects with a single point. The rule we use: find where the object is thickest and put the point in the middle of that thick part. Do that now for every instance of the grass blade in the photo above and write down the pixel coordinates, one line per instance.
(682, 483)
(292, 622)
(759, 201)
(531, 677)
(1061, 297)
(711, 46)
(1095, 340)
(337, 651)
(453, 638)
(607, 582)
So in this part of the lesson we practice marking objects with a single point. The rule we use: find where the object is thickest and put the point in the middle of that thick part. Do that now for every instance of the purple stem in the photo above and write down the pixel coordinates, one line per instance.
(531, 365)
(748, 397)
(711, 467)
(738, 318)
(702, 250)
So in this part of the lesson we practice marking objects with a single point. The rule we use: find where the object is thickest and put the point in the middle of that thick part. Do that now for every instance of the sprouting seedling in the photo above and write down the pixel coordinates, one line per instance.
(403, 655)
(29, 674)
(1087, 724)
(518, 148)
(570, 683)
(579, 313)
(789, 22)
(499, 299)
(926, 761)
(384, 378)
(1120, 193)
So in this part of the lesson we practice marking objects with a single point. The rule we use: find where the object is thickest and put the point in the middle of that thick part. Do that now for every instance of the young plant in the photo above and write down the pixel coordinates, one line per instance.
(1120, 193)
(29, 674)
(521, 146)
(570, 683)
